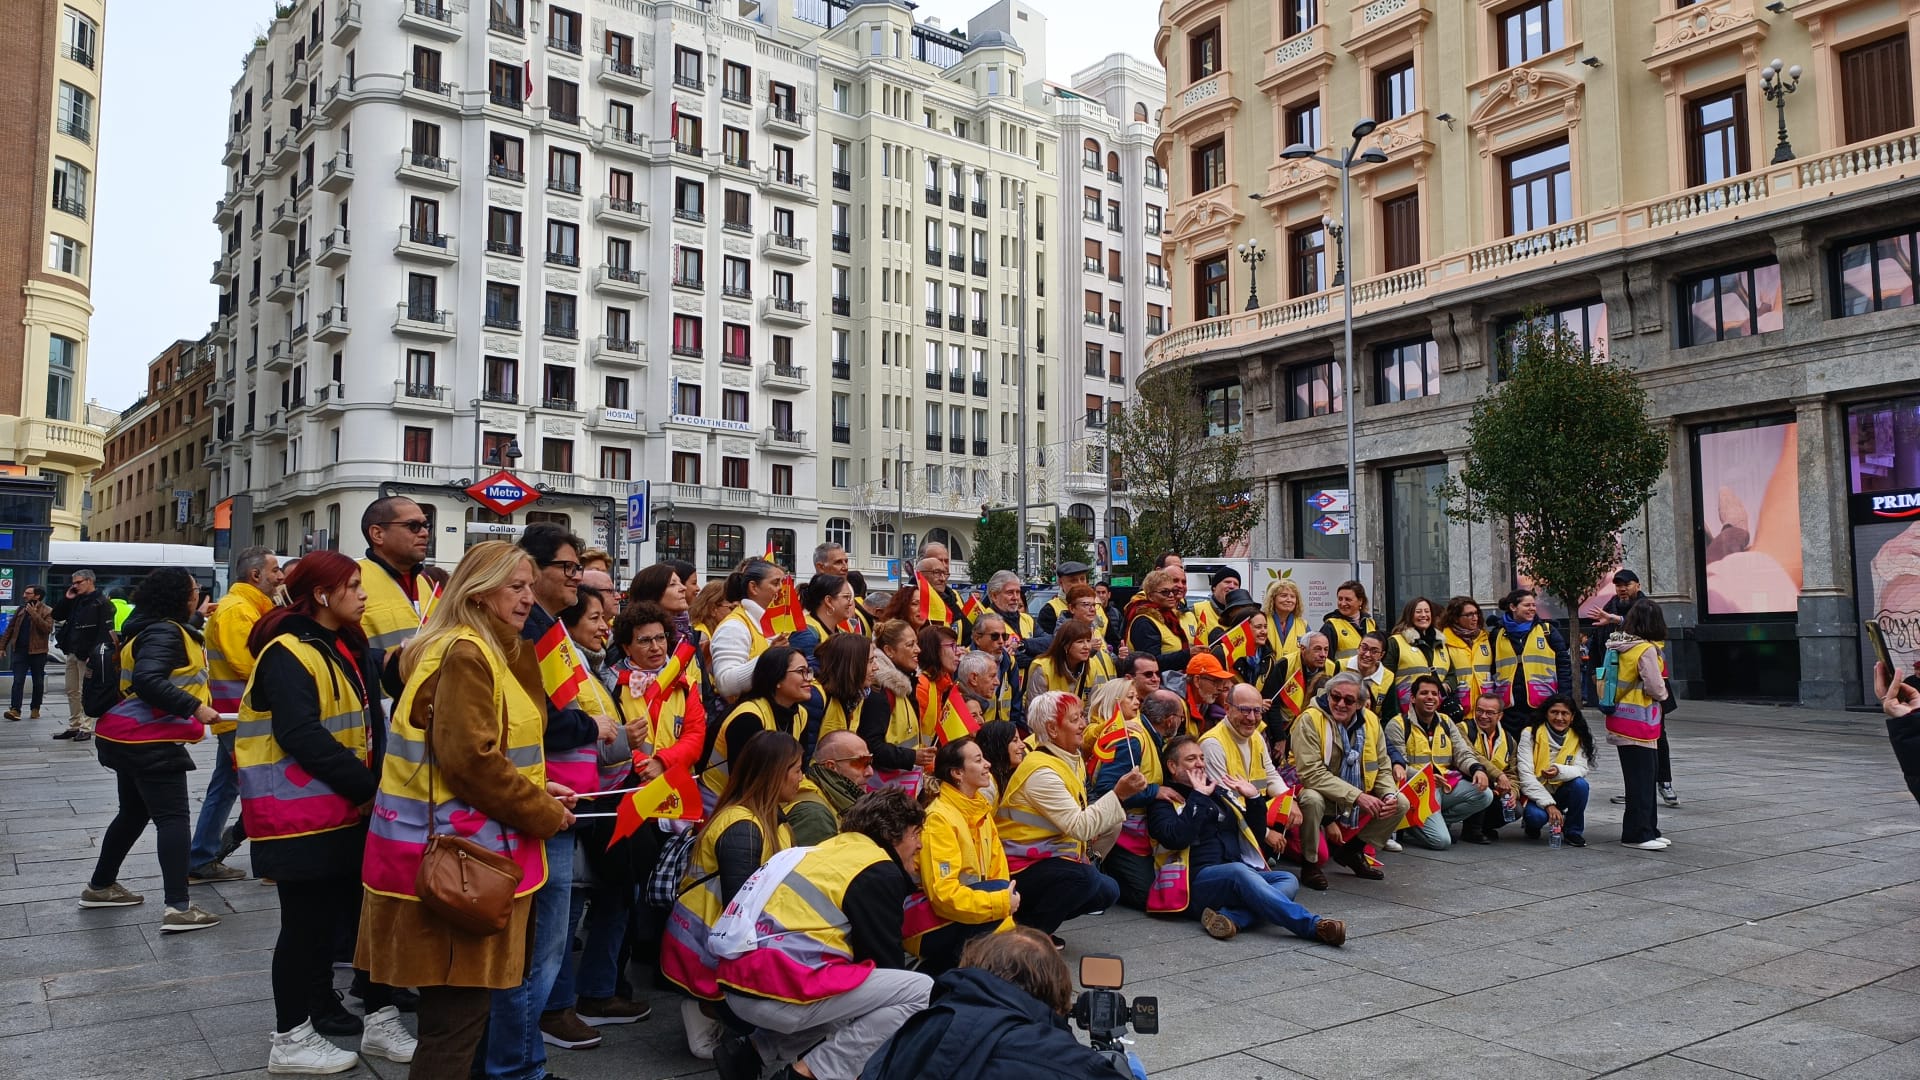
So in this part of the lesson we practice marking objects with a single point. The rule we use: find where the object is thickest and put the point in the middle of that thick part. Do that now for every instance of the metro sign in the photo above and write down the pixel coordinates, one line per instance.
(503, 492)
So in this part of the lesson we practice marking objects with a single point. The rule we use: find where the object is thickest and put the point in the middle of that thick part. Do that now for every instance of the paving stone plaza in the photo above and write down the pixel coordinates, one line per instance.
(1779, 938)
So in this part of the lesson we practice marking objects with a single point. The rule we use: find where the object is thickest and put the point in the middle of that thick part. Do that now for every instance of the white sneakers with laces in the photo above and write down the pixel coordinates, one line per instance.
(385, 1036)
(304, 1051)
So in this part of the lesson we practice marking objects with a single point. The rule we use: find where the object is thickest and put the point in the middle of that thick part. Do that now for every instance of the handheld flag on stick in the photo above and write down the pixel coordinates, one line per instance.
(1280, 809)
(784, 615)
(561, 673)
(1422, 790)
(972, 607)
(1239, 643)
(673, 794)
(932, 606)
(1107, 747)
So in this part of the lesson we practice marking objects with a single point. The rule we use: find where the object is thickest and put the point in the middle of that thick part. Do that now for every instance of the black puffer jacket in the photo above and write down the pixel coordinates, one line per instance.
(982, 1027)
(158, 651)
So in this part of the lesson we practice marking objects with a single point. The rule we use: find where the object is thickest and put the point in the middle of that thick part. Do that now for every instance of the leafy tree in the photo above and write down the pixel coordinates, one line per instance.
(996, 547)
(1074, 546)
(1186, 487)
(1562, 450)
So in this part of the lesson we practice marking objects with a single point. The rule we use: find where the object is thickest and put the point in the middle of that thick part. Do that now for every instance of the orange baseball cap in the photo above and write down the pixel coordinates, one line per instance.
(1205, 663)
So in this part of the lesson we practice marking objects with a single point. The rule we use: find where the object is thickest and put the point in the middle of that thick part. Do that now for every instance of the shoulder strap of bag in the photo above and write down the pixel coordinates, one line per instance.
(426, 724)
(734, 934)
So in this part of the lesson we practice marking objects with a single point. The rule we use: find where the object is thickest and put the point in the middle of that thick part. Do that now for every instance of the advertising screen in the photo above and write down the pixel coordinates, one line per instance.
(1750, 517)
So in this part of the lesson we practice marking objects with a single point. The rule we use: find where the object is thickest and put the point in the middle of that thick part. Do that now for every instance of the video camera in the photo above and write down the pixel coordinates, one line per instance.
(1104, 1013)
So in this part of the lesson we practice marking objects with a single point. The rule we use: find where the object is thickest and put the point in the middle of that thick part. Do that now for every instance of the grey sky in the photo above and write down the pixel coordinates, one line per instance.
(168, 68)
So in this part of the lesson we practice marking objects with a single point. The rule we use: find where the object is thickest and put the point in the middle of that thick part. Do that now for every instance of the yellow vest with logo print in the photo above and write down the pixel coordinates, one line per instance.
(411, 789)
(1373, 753)
(804, 955)
(1422, 749)
(714, 780)
(391, 616)
(1472, 664)
(1536, 667)
(1495, 751)
(579, 767)
(279, 799)
(1288, 635)
(1027, 835)
(1409, 662)
(1346, 636)
(1636, 716)
(684, 956)
(1544, 756)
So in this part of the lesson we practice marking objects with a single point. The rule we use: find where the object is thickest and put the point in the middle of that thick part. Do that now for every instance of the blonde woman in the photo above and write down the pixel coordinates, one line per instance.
(1287, 627)
(479, 772)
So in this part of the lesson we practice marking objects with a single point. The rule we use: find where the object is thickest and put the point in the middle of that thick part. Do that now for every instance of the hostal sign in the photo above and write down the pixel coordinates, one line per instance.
(503, 492)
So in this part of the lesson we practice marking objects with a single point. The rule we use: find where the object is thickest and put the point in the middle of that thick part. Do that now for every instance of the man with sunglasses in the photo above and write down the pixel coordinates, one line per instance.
(1346, 782)
(993, 642)
(401, 589)
(842, 766)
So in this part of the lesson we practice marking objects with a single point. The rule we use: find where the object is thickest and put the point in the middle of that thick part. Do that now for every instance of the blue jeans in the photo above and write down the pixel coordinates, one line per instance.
(1571, 797)
(514, 1048)
(595, 973)
(1249, 896)
(1460, 804)
(223, 790)
(25, 665)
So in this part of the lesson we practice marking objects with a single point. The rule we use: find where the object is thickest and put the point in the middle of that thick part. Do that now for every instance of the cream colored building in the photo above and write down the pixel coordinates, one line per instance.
(1618, 166)
(50, 123)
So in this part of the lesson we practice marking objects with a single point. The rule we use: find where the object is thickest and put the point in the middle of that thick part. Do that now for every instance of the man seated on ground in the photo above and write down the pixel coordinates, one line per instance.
(1237, 757)
(1208, 681)
(1495, 749)
(1225, 877)
(1346, 782)
(842, 767)
(826, 982)
(1001, 1014)
(1428, 737)
(1048, 826)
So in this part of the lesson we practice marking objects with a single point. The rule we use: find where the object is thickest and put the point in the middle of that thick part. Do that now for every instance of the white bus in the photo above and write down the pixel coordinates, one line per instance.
(119, 566)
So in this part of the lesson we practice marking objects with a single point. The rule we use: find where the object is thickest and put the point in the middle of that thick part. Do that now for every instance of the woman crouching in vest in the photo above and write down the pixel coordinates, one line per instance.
(463, 757)
(310, 733)
(1049, 829)
(164, 705)
(967, 891)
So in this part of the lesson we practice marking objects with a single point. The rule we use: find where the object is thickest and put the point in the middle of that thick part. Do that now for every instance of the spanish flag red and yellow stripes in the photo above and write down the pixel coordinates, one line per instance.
(943, 716)
(932, 606)
(1239, 643)
(784, 615)
(673, 794)
(663, 684)
(561, 672)
(972, 607)
(1422, 789)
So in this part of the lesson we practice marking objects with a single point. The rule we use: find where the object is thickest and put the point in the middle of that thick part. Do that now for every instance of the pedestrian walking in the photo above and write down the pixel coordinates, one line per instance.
(86, 619)
(229, 666)
(25, 646)
(163, 677)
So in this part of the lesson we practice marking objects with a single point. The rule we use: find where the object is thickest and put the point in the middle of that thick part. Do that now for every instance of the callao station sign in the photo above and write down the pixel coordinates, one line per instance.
(503, 492)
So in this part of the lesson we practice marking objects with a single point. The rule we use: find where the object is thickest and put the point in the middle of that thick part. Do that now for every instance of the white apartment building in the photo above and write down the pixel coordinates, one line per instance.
(1110, 218)
(572, 241)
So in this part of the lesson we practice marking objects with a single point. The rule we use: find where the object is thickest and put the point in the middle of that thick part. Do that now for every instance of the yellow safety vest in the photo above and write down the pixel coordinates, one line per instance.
(714, 780)
(1098, 670)
(1636, 715)
(227, 630)
(1422, 749)
(1346, 635)
(1536, 667)
(1496, 752)
(1543, 755)
(684, 956)
(135, 721)
(756, 638)
(1169, 641)
(410, 783)
(1287, 635)
(1239, 766)
(279, 799)
(1373, 755)
(1058, 605)
(803, 954)
(392, 616)
(838, 717)
(1472, 664)
(1028, 835)
(1409, 662)
(1172, 888)
(663, 730)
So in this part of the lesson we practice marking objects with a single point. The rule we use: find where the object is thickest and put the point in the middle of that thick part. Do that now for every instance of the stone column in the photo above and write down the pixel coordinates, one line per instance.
(1829, 637)
(1668, 554)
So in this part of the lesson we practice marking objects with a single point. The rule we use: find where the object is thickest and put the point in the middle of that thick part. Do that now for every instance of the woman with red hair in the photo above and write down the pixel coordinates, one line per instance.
(310, 736)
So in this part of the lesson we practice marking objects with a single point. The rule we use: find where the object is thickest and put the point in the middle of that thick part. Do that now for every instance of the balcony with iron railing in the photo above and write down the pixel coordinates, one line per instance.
(625, 73)
(842, 434)
(842, 306)
(933, 318)
(785, 120)
(979, 386)
(431, 17)
(956, 322)
(842, 368)
(570, 46)
(842, 180)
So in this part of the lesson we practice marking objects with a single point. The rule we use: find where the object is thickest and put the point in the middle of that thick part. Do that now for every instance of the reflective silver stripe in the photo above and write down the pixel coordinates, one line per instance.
(524, 756)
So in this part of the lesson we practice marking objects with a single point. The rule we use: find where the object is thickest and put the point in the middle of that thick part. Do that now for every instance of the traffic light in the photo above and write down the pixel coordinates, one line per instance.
(984, 512)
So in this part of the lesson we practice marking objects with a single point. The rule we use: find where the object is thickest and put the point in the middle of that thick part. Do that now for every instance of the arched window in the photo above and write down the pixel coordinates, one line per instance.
(1140, 112)
(1117, 521)
(880, 542)
(1090, 153)
(1083, 514)
(840, 531)
(947, 537)
(1113, 166)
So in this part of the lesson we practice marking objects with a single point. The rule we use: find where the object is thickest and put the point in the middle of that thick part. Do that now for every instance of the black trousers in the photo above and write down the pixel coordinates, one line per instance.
(1133, 873)
(940, 949)
(162, 799)
(1641, 822)
(303, 956)
(1665, 774)
(1055, 890)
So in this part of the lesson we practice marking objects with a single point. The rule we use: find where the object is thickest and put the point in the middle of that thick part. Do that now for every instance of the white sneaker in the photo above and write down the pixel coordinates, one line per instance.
(1393, 845)
(306, 1051)
(385, 1036)
(1658, 843)
(703, 1032)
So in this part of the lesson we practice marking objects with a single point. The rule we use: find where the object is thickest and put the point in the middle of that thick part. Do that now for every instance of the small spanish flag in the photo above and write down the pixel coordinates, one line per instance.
(678, 665)
(932, 606)
(1279, 809)
(972, 607)
(1107, 746)
(944, 717)
(1240, 642)
(1422, 790)
(784, 615)
(673, 795)
(561, 673)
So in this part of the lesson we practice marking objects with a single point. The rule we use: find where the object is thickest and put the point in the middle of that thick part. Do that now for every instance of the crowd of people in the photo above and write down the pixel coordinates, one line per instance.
(900, 801)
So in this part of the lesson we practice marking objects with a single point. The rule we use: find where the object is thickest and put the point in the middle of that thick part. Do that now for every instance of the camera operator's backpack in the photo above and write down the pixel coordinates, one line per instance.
(100, 688)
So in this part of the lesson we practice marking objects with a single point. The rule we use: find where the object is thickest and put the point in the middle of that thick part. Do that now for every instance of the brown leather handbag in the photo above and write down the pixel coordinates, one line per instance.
(460, 881)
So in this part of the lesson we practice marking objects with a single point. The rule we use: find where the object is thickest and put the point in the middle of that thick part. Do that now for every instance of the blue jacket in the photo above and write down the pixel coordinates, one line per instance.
(981, 1026)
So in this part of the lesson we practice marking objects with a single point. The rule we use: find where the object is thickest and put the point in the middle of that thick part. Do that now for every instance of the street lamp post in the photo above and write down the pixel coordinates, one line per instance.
(1338, 232)
(1345, 163)
(1775, 88)
(1252, 254)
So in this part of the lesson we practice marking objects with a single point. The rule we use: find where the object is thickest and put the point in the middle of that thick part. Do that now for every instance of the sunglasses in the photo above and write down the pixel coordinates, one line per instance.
(861, 761)
(1343, 699)
(415, 527)
(994, 635)
(1154, 675)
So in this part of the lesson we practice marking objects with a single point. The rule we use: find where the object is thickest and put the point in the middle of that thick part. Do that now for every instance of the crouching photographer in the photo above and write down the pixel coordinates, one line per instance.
(1002, 1015)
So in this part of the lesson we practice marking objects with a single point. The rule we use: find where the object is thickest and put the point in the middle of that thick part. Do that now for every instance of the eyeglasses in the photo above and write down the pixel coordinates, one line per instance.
(570, 569)
(1252, 710)
(1168, 592)
(861, 761)
(1154, 675)
(801, 670)
(651, 639)
(416, 526)
(1372, 652)
(952, 646)
(1344, 699)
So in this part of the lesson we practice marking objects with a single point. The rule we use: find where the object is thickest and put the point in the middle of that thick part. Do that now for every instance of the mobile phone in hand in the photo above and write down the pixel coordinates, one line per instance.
(1878, 636)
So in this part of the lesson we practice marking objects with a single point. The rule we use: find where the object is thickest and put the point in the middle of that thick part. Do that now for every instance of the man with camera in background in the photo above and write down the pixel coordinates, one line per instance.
(85, 616)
